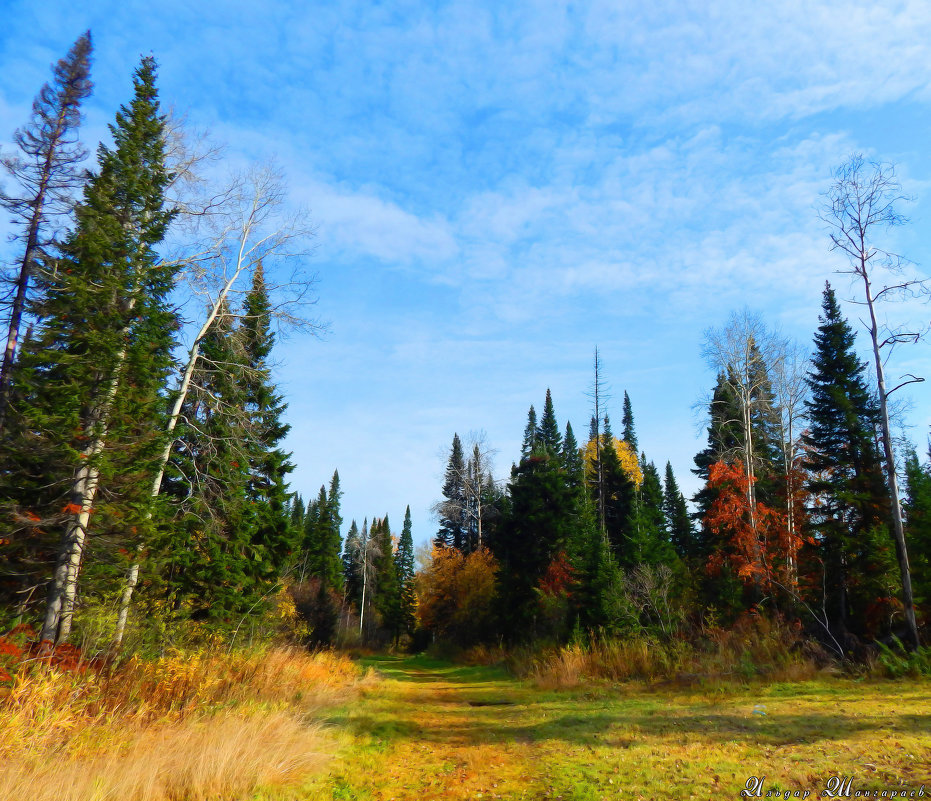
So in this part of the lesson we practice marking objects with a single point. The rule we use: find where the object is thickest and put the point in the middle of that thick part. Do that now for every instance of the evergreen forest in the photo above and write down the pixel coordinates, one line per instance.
(144, 491)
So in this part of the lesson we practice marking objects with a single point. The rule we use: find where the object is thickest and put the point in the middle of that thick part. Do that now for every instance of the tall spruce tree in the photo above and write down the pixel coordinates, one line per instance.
(322, 541)
(92, 379)
(619, 500)
(539, 527)
(678, 519)
(269, 464)
(531, 433)
(297, 509)
(648, 535)
(387, 595)
(206, 550)
(572, 462)
(630, 434)
(453, 524)
(548, 433)
(404, 561)
(849, 513)
(918, 528)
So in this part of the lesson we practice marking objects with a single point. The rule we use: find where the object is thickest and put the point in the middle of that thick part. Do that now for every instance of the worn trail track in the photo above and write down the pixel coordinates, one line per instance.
(432, 731)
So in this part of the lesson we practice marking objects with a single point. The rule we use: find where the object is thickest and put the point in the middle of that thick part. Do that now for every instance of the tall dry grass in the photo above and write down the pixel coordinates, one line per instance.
(755, 649)
(187, 726)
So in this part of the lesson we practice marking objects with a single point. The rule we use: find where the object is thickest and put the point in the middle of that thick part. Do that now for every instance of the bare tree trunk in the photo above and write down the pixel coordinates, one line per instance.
(19, 303)
(908, 600)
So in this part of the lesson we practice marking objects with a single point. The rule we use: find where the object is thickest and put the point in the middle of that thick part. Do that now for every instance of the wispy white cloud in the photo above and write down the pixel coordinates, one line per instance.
(498, 187)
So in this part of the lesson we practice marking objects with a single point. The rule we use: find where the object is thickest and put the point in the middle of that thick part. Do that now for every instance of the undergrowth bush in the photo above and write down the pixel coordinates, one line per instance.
(896, 661)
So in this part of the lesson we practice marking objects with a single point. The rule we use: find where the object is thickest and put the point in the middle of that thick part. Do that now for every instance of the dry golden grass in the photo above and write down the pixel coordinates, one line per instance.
(187, 726)
(757, 649)
(223, 756)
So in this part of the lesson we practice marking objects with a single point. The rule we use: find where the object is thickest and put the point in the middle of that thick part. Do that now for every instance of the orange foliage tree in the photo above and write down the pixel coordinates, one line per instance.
(757, 543)
(455, 593)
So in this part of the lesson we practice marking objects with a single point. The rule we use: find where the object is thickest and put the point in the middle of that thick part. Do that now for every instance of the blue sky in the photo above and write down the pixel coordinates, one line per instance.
(498, 188)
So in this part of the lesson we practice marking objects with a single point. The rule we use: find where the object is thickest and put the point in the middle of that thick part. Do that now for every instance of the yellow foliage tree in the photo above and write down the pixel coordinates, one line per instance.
(455, 593)
(626, 455)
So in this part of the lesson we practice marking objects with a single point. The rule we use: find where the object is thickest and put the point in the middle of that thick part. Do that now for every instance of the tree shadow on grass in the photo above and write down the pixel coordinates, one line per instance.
(485, 706)
(502, 724)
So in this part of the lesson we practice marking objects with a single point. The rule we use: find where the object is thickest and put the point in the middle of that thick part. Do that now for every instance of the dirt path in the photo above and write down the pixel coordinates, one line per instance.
(436, 731)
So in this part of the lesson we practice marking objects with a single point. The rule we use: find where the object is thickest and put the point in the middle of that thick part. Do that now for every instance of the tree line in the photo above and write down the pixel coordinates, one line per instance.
(140, 426)
(796, 516)
(141, 431)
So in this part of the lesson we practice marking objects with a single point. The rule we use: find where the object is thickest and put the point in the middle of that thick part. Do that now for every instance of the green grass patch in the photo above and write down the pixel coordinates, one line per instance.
(433, 730)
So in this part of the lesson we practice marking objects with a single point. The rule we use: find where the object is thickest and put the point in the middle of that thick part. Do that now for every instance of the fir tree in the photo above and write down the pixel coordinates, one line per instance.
(453, 524)
(531, 433)
(404, 560)
(630, 434)
(540, 526)
(207, 549)
(850, 511)
(269, 464)
(678, 520)
(387, 595)
(322, 539)
(918, 529)
(94, 371)
(618, 502)
(297, 512)
(600, 596)
(572, 462)
(548, 433)
(649, 538)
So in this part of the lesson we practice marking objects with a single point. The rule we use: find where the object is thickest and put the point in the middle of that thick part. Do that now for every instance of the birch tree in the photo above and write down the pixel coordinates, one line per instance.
(788, 373)
(742, 353)
(250, 226)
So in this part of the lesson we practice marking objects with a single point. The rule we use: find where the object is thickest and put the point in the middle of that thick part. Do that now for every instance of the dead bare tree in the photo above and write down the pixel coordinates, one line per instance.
(48, 175)
(600, 397)
(862, 202)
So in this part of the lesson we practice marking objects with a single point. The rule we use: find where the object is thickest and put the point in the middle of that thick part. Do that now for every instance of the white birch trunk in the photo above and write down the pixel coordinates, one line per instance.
(63, 589)
(133, 576)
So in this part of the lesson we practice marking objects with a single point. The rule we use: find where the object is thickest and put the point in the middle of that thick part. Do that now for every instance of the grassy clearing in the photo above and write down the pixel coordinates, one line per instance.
(431, 730)
(192, 725)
